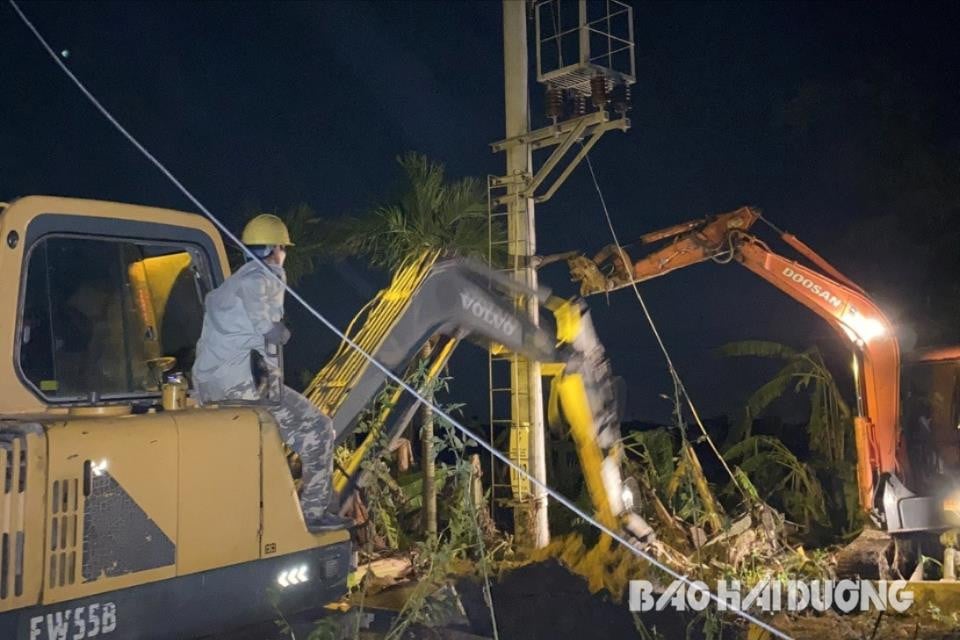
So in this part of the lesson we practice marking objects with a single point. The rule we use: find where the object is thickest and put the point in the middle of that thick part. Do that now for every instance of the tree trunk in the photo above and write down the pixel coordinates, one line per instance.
(428, 514)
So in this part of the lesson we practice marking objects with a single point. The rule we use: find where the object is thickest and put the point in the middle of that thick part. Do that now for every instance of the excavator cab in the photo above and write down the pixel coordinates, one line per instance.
(115, 327)
(931, 417)
(124, 515)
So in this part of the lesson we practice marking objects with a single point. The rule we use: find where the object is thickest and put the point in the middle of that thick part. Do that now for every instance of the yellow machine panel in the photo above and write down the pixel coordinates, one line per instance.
(23, 460)
(283, 528)
(219, 471)
(111, 504)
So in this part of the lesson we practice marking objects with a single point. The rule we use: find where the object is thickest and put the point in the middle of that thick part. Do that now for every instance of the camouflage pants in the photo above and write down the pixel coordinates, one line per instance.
(308, 432)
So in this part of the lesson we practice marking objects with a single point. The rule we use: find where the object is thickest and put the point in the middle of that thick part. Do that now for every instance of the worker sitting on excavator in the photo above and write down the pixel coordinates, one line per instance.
(238, 359)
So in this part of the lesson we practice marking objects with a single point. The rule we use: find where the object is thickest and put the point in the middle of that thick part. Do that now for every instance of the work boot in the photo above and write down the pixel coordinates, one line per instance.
(328, 522)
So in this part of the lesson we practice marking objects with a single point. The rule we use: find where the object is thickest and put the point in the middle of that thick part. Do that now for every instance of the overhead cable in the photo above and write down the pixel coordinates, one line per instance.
(677, 381)
(373, 361)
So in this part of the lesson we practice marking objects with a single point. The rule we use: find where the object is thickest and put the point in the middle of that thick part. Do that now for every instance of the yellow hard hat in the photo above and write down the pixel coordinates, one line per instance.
(266, 229)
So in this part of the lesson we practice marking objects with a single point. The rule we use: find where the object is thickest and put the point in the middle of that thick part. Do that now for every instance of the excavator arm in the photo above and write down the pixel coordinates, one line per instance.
(823, 289)
(461, 300)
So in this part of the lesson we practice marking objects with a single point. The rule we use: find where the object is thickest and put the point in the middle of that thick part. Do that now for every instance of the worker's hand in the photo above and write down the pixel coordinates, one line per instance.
(278, 334)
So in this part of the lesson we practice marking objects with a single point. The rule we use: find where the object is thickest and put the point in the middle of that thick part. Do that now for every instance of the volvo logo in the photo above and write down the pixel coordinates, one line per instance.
(487, 313)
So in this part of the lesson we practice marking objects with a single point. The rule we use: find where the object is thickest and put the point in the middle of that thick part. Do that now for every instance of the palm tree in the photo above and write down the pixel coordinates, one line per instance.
(429, 216)
(309, 243)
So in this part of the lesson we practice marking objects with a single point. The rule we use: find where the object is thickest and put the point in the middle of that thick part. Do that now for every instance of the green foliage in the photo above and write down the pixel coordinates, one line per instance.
(772, 468)
(668, 466)
(391, 506)
(655, 450)
(394, 503)
(460, 539)
(325, 629)
(830, 419)
(307, 242)
(644, 632)
(744, 482)
(779, 477)
(758, 349)
(450, 218)
(430, 214)
(385, 498)
(707, 624)
(384, 501)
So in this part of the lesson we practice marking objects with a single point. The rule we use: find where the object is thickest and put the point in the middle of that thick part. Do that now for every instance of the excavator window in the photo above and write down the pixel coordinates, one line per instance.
(102, 318)
(931, 418)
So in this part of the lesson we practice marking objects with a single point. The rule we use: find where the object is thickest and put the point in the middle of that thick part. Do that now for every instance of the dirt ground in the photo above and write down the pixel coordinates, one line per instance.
(545, 601)
(860, 627)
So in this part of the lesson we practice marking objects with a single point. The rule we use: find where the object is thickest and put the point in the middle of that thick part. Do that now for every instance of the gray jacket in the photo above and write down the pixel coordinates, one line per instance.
(237, 315)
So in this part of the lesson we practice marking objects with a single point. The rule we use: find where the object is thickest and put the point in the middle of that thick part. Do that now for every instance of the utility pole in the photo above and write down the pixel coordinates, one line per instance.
(597, 75)
(530, 514)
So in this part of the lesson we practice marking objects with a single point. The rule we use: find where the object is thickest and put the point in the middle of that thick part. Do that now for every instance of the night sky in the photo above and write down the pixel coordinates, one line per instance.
(788, 107)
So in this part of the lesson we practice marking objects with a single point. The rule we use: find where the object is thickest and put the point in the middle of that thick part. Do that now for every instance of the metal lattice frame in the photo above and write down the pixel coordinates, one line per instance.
(575, 76)
(368, 329)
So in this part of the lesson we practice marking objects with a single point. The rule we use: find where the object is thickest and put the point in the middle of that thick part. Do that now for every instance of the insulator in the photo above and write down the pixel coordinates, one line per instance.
(580, 104)
(621, 99)
(554, 103)
(598, 91)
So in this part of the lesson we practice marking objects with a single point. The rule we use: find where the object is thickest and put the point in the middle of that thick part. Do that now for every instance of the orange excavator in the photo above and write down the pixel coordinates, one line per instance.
(884, 472)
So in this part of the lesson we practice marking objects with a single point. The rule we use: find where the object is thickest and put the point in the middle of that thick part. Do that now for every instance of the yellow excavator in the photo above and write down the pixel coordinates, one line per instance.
(130, 512)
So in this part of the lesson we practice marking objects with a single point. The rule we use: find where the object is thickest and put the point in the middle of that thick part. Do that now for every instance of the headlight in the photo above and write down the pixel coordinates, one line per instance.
(630, 494)
(952, 503)
(860, 328)
(951, 508)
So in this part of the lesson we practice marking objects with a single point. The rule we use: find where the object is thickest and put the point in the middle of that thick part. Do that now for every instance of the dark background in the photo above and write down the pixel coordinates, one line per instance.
(838, 121)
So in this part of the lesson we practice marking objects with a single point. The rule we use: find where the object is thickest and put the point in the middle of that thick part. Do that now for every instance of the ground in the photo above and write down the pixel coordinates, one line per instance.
(545, 601)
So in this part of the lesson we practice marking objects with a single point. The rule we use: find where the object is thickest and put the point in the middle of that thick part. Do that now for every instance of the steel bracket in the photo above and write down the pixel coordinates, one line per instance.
(563, 136)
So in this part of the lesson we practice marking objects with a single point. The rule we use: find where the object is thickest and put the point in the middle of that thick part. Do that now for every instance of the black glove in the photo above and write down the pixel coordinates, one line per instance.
(259, 370)
(278, 334)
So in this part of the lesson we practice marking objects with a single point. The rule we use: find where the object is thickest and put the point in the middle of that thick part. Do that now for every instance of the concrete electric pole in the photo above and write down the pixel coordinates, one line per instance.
(530, 516)
(600, 77)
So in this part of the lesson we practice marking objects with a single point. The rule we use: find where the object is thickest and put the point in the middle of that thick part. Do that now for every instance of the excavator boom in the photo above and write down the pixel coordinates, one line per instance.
(821, 288)
(461, 300)
(692, 242)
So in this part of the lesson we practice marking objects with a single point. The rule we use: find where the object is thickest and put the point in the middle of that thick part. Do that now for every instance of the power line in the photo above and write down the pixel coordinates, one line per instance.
(383, 369)
(679, 387)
